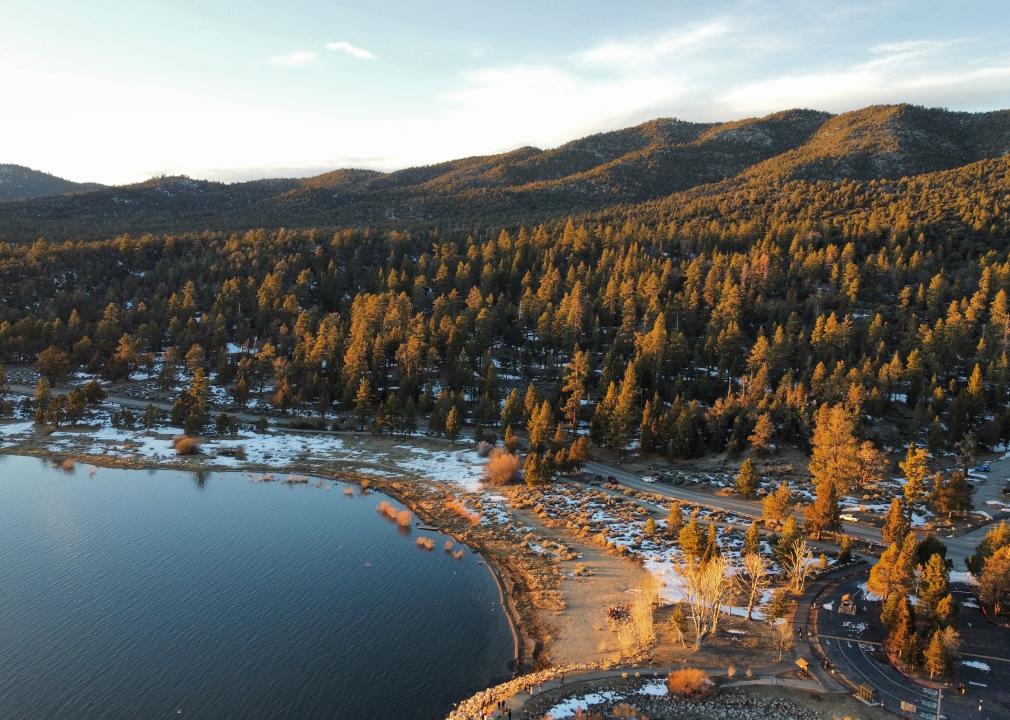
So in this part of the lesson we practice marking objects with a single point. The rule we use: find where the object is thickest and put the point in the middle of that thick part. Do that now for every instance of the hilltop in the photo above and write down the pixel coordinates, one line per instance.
(647, 162)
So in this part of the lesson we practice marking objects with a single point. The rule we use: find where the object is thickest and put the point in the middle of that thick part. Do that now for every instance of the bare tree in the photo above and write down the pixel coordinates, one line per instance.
(706, 587)
(753, 579)
(798, 565)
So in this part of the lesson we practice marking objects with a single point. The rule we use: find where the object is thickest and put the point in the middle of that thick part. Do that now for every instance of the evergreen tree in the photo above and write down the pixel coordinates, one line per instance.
(896, 524)
(674, 519)
(747, 479)
(834, 455)
(363, 403)
(914, 467)
(822, 516)
(691, 540)
(761, 438)
(933, 586)
(778, 505)
(935, 659)
(752, 540)
(453, 424)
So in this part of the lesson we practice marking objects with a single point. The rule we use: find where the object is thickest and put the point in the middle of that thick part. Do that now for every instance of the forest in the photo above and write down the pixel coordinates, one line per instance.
(691, 326)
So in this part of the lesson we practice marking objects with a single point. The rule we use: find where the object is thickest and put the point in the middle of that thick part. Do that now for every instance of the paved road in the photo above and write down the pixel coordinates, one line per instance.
(739, 506)
(852, 643)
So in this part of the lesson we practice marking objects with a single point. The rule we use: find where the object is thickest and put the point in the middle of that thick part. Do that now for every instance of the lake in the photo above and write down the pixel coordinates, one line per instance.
(163, 594)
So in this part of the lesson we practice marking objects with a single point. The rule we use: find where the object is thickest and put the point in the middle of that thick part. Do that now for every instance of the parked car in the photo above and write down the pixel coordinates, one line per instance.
(648, 479)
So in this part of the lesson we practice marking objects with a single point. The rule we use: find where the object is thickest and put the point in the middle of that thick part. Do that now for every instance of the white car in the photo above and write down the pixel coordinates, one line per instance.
(649, 479)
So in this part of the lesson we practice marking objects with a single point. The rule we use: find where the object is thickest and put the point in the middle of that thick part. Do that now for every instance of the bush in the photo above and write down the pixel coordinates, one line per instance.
(502, 468)
(425, 543)
(186, 445)
(689, 682)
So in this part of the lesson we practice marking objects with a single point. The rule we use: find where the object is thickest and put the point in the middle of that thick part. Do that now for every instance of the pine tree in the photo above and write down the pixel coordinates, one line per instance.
(934, 585)
(997, 537)
(650, 527)
(834, 453)
(945, 613)
(624, 414)
(896, 524)
(901, 640)
(752, 540)
(747, 479)
(935, 658)
(512, 410)
(778, 505)
(363, 403)
(789, 536)
(452, 424)
(914, 466)
(822, 515)
(690, 539)
(541, 426)
(674, 519)
(575, 387)
(761, 438)
(951, 495)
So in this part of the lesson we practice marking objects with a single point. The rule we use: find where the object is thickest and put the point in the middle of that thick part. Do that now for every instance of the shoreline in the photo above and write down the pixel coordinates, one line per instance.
(523, 638)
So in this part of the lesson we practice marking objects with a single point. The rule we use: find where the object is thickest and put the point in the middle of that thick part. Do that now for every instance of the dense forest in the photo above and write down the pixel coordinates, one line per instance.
(703, 322)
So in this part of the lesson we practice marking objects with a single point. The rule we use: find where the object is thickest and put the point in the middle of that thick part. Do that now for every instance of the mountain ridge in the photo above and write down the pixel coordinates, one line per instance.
(642, 163)
(18, 182)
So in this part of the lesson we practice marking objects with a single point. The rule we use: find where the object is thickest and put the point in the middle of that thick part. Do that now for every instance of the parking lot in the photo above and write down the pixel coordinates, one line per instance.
(852, 644)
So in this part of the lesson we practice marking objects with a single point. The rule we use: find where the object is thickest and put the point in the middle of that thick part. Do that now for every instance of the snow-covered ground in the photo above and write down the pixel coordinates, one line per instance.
(459, 468)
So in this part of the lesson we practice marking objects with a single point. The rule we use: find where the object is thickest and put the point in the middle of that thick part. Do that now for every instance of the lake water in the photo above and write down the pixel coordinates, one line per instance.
(161, 594)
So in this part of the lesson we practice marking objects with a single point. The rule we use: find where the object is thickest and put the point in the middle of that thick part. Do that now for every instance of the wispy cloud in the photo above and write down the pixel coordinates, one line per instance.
(636, 53)
(295, 58)
(904, 71)
(352, 50)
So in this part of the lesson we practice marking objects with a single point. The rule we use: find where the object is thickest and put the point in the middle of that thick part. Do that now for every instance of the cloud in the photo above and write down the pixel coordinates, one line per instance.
(906, 71)
(352, 50)
(636, 53)
(295, 58)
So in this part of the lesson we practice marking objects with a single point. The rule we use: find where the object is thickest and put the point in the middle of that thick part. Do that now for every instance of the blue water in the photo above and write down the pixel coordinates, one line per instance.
(161, 594)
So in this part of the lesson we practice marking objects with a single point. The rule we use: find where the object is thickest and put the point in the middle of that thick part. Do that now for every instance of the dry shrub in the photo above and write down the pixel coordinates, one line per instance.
(502, 467)
(386, 510)
(689, 682)
(448, 546)
(426, 543)
(68, 465)
(348, 490)
(463, 511)
(458, 555)
(186, 445)
(484, 448)
(403, 518)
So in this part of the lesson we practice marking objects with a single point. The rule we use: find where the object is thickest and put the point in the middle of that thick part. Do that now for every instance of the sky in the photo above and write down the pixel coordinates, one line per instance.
(117, 92)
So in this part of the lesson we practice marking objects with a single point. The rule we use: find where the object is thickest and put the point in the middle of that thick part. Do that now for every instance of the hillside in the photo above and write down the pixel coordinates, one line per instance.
(643, 163)
(21, 183)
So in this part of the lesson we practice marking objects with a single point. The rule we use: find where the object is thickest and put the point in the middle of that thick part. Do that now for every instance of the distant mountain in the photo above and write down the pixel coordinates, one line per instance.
(20, 183)
(642, 163)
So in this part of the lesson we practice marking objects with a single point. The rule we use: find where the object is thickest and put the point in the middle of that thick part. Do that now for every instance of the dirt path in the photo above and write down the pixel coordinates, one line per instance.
(580, 632)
